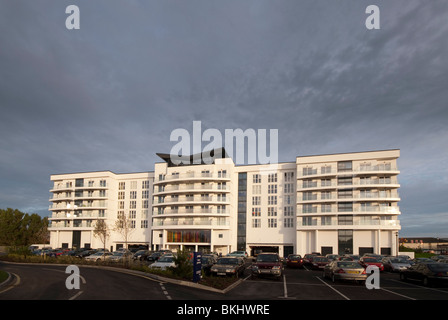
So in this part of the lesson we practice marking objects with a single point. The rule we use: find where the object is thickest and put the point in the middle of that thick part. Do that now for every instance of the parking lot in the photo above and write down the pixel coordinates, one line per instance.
(307, 284)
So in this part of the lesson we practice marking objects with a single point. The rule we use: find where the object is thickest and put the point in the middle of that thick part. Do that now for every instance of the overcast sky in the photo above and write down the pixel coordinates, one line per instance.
(108, 96)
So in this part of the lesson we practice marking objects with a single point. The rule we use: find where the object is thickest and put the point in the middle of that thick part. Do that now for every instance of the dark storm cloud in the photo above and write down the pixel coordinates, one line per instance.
(107, 96)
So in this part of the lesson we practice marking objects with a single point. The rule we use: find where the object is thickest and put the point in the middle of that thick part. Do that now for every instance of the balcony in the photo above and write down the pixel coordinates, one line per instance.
(357, 224)
(191, 200)
(356, 210)
(182, 188)
(64, 186)
(361, 170)
(190, 223)
(191, 212)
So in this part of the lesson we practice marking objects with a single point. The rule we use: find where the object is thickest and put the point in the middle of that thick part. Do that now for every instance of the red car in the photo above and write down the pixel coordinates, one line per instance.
(268, 264)
(367, 261)
(294, 261)
(319, 262)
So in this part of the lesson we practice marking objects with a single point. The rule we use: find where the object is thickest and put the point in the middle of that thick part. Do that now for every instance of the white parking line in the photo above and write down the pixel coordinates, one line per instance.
(421, 287)
(332, 288)
(398, 294)
(284, 288)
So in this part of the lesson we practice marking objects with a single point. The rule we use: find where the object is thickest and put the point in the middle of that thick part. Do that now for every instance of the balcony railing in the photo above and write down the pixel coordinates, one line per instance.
(356, 222)
(192, 175)
(193, 222)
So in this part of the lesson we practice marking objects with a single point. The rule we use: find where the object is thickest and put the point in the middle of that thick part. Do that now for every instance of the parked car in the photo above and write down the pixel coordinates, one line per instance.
(164, 262)
(366, 261)
(438, 257)
(242, 254)
(332, 257)
(308, 258)
(120, 256)
(395, 264)
(294, 261)
(155, 256)
(85, 253)
(228, 266)
(268, 264)
(427, 273)
(207, 261)
(141, 255)
(421, 260)
(98, 256)
(319, 262)
(345, 270)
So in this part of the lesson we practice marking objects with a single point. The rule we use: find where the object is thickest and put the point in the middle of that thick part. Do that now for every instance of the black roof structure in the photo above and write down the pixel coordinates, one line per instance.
(205, 157)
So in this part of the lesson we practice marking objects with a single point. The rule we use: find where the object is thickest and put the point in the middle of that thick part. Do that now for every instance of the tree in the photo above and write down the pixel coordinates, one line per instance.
(21, 229)
(123, 225)
(101, 231)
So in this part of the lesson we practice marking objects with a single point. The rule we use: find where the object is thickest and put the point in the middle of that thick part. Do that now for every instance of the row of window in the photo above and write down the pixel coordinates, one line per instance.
(272, 177)
(273, 223)
(272, 211)
(122, 185)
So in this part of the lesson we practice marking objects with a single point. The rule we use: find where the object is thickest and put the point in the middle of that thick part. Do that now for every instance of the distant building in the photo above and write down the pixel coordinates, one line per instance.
(339, 203)
(434, 244)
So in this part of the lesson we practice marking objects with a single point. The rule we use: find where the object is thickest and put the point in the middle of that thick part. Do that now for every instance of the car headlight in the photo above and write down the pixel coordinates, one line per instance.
(276, 268)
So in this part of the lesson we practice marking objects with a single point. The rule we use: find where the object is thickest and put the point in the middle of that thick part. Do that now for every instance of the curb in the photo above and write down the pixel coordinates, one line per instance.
(7, 281)
(137, 273)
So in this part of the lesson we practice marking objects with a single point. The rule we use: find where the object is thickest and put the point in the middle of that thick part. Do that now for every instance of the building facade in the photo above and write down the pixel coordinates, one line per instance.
(340, 203)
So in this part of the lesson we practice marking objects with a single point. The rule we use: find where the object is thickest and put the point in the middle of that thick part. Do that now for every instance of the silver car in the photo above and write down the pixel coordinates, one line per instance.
(345, 270)
(394, 264)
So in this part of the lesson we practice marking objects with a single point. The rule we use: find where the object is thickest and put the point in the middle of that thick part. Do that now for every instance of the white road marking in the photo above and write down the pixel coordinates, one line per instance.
(332, 288)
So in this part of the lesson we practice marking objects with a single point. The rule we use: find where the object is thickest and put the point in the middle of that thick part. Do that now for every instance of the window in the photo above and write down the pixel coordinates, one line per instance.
(325, 169)
(345, 194)
(288, 222)
(325, 195)
(345, 181)
(325, 221)
(289, 188)
(272, 188)
(256, 189)
(121, 185)
(309, 221)
(288, 199)
(345, 220)
(325, 208)
(121, 195)
(309, 196)
(272, 223)
(345, 242)
(309, 184)
(145, 184)
(256, 212)
(256, 178)
(289, 176)
(133, 204)
(345, 206)
(309, 208)
(132, 214)
(133, 194)
(102, 183)
(272, 200)
(145, 204)
(288, 211)
(256, 223)
(144, 224)
(120, 204)
(344, 166)
(272, 211)
(309, 171)
(145, 194)
(272, 177)
(133, 184)
(325, 182)
(256, 201)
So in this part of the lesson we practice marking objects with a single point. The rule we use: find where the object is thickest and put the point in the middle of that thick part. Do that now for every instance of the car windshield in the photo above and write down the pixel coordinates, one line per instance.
(294, 257)
(398, 260)
(348, 264)
(438, 267)
(267, 258)
(371, 260)
(167, 259)
(321, 259)
(228, 261)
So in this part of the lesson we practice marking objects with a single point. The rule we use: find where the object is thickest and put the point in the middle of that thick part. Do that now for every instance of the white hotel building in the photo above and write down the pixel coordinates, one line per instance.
(339, 203)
